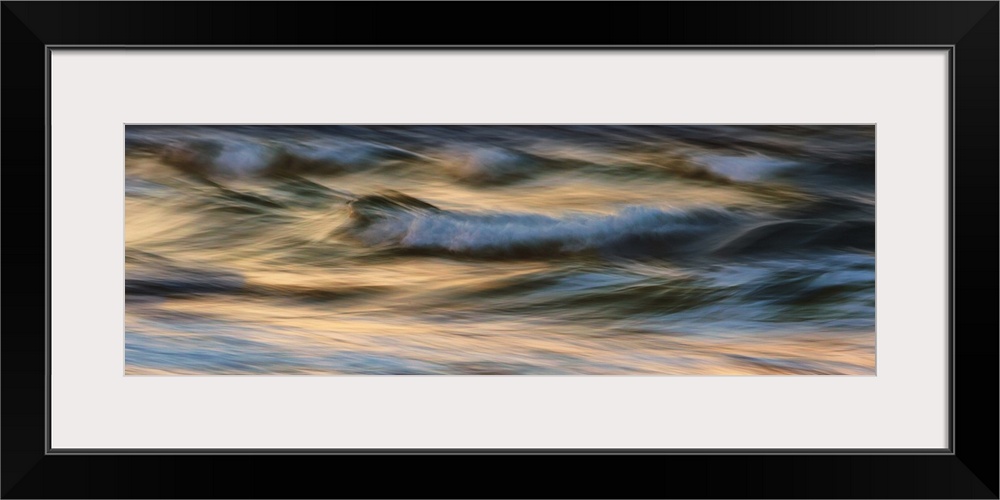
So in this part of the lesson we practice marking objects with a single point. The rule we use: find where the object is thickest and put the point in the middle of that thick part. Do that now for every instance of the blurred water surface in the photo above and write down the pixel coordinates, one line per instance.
(563, 250)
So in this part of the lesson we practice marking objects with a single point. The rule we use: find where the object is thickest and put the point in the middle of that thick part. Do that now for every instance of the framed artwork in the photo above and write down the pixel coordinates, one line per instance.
(353, 235)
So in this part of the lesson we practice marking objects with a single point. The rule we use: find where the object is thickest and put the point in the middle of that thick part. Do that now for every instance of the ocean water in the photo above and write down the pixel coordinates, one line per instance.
(505, 250)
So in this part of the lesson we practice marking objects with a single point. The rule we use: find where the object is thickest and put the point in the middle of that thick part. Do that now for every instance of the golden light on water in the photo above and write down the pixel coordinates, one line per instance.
(521, 251)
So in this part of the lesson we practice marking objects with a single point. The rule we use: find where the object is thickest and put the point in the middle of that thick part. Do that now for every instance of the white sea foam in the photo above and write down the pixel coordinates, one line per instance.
(244, 157)
(745, 168)
(507, 233)
(493, 164)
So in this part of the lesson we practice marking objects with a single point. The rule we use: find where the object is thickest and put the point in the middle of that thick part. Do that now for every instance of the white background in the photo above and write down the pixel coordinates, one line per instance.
(95, 92)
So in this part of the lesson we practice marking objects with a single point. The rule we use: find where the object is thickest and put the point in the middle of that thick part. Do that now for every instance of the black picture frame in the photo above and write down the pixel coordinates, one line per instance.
(968, 30)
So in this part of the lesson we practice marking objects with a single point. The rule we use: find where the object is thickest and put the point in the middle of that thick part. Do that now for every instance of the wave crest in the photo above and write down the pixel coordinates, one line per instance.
(249, 158)
(403, 222)
(493, 165)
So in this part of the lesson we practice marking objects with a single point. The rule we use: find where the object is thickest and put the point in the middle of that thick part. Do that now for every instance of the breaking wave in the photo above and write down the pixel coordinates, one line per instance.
(400, 221)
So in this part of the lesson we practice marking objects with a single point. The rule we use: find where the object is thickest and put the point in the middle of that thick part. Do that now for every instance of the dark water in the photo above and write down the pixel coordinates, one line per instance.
(500, 249)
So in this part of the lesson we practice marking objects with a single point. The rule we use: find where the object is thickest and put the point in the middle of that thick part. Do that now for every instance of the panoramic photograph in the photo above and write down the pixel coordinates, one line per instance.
(499, 250)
